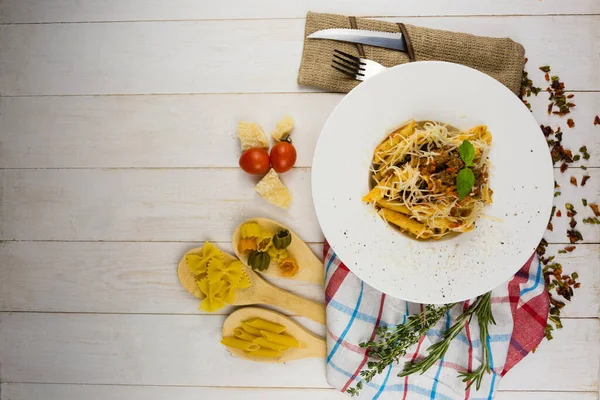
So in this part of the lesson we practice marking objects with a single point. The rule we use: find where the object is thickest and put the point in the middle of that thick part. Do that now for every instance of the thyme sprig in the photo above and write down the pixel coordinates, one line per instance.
(482, 308)
(393, 343)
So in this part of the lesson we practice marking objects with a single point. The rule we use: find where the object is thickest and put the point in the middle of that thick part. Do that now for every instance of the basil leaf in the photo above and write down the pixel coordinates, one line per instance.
(467, 152)
(464, 182)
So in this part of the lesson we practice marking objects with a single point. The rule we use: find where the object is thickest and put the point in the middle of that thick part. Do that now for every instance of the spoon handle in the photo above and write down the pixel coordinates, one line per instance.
(295, 304)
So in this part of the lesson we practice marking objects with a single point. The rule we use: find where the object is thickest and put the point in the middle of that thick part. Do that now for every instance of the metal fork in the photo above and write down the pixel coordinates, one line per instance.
(356, 68)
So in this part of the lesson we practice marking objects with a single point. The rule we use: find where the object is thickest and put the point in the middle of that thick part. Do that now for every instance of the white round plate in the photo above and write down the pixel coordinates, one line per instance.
(451, 269)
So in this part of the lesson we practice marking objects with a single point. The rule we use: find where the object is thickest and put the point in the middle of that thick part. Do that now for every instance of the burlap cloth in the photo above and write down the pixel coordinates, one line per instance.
(501, 58)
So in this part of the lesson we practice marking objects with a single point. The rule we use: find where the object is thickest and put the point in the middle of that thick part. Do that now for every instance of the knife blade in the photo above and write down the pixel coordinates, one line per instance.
(386, 40)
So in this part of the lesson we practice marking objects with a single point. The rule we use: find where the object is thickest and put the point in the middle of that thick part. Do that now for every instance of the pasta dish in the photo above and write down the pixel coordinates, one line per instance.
(430, 179)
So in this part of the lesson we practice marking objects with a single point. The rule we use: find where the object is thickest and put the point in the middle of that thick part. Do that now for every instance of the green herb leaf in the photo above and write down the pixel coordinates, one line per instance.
(467, 152)
(464, 182)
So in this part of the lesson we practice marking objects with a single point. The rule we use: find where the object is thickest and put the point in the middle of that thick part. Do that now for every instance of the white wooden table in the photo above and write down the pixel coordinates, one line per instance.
(117, 153)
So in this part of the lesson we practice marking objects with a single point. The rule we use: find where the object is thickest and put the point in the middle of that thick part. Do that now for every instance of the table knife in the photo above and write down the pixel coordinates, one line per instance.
(386, 40)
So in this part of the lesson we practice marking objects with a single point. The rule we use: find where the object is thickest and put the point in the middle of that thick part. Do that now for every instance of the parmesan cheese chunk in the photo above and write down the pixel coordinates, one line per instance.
(251, 135)
(284, 127)
(273, 190)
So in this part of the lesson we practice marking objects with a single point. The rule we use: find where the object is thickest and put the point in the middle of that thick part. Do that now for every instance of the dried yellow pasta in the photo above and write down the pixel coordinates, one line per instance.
(240, 333)
(236, 343)
(277, 254)
(265, 344)
(212, 302)
(250, 330)
(264, 241)
(231, 273)
(245, 282)
(285, 340)
(250, 230)
(261, 324)
(264, 353)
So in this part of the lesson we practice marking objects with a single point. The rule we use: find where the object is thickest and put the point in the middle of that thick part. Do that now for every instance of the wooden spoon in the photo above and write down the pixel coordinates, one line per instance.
(310, 267)
(311, 345)
(260, 292)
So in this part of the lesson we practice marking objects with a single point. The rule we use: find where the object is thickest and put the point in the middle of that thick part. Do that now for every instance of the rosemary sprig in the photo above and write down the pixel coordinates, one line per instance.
(393, 343)
(482, 308)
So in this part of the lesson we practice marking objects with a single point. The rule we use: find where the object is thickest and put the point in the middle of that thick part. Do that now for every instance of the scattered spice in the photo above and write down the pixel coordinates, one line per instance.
(597, 120)
(550, 227)
(595, 209)
(559, 285)
(583, 150)
(591, 220)
(584, 201)
(573, 181)
(563, 167)
(557, 98)
(574, 236)
(527, 88)
(584, 180)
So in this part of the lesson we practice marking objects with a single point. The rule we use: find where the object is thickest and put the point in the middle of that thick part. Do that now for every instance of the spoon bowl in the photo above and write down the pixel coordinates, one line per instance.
(311, 345)
(260, 292)
(310, 267)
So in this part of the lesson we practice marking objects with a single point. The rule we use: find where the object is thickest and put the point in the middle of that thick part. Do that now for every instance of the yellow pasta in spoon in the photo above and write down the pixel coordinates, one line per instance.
(285, 340)
(264, 353)
(240, 333)
(250, 330)
(268, 338)
(265, 344)
(236, 343)
(261, 324)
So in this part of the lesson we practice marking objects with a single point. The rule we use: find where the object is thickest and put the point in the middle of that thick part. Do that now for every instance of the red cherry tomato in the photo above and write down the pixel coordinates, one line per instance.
(283, 156)
(255, 161)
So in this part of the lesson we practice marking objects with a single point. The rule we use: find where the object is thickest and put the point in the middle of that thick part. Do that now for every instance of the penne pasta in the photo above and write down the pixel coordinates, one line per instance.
(265, 344)
(375, 194)
(236, 343)
(394, 206)
(431, 179)
(285, 340)
(261, 324)
(250, 330)
(264, 353)
(404, 222)
(240, 333)
(395, 137)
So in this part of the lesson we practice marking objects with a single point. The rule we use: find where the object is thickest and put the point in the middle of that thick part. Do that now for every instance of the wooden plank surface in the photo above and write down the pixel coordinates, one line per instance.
(182, 204)
(197, 130)
(140, 278)
(174, 350)
(28, 391)
(239, 56)
(115, 188)
(28, 11)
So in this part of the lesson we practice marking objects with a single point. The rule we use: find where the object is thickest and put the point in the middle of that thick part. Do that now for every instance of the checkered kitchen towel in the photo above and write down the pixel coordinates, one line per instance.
(355, 310)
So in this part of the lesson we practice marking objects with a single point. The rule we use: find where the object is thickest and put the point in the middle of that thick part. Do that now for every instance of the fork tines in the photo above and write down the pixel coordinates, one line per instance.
(347, 64)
